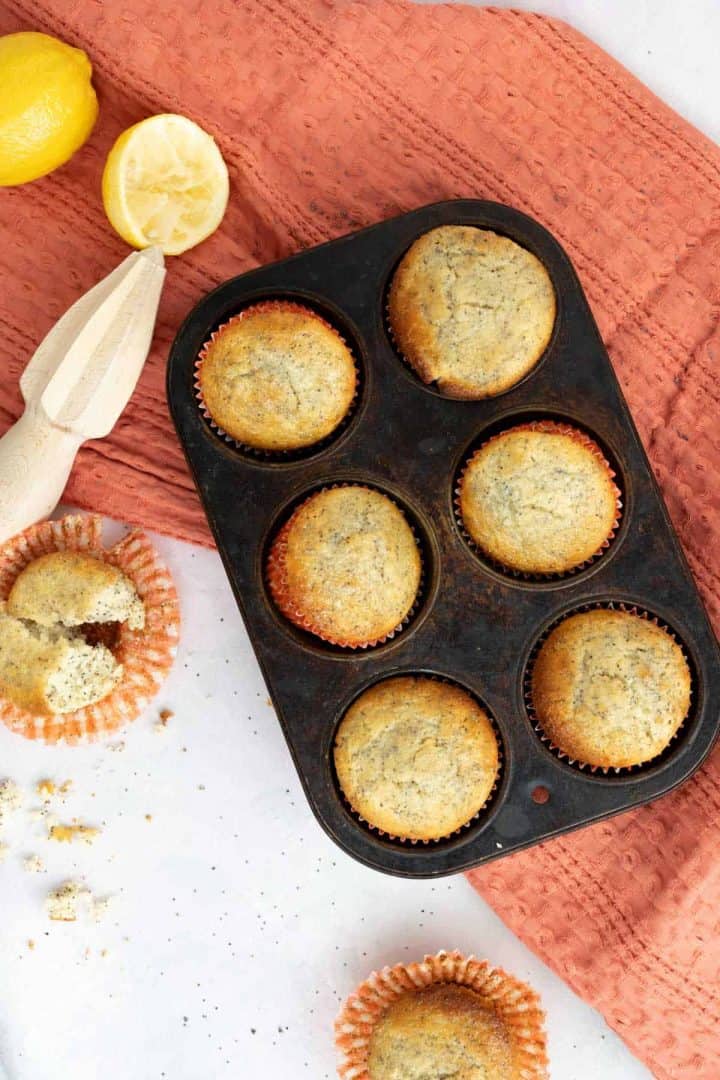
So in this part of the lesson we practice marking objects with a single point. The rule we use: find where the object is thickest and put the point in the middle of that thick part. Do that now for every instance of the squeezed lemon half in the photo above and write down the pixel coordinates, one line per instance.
(165, 183)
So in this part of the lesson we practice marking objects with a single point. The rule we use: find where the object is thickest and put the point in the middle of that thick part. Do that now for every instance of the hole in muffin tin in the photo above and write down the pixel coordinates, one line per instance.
(505, 423)
(407, 367)
(466, 832)
(540, 795)
(351, 338)
(626, 773)
(427, 591)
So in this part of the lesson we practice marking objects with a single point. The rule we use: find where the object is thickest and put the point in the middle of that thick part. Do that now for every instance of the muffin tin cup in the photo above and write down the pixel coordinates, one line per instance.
(471, 822)
(515, 1003)
(525, 575)
(474, 625)
(297, 453)
(276, 579)
(617, 770)
(146, 655)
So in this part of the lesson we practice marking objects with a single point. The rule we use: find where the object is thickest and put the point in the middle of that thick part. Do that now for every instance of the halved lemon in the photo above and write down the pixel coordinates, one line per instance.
(165, 183)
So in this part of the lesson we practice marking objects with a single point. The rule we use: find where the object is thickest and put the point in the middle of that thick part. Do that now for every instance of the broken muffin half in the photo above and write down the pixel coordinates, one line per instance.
(53, 631)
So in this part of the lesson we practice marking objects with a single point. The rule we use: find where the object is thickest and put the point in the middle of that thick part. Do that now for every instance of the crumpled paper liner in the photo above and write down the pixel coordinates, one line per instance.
(146, 655)
(515, 1003)
(556, 428)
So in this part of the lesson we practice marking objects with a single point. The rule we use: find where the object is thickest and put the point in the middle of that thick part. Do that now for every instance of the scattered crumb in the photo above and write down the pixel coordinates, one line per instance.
(65, 787)
(165, 715)
(66, 834)
(10, 798)
(3, 851)
(33, 864)
(62, 903)
(103, 953)
(268, 702)
(99, 907)
(46, 788)
(37, 813)
(148, 817)
(116, 746)
(31, 944)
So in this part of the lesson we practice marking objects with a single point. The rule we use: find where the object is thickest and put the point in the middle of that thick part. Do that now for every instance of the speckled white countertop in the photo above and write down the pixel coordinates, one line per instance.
(236, 927)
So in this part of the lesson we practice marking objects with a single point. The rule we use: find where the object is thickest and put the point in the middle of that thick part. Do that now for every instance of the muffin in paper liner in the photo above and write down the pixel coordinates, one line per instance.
(583, 766)
(553, 427)
(406, 841)
(146, 655)
(453, 386)
(514, 1003)
(258, 452)
(277, 580)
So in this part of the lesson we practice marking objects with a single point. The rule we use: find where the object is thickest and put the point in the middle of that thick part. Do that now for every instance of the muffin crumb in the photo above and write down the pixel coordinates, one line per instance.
(33, 864)
(11, 798)
(62, 903)
(67, 834)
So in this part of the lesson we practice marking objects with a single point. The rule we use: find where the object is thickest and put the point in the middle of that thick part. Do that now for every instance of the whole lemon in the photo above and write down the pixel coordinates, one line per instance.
(47, 105)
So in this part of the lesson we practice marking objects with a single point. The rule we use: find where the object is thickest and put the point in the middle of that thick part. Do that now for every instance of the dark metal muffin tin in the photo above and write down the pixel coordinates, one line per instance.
(475, 625)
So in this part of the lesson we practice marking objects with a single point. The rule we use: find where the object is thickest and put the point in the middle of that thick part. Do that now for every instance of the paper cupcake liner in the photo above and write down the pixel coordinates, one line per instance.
(555, 428)
(276, 578)
(405, 841)
(276, 455)
(146, 655)
(514, 1002)
(583, 766)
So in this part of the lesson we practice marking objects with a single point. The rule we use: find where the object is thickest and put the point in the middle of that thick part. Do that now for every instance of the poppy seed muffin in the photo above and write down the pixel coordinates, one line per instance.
(441, 1031)
(539, 498)
(277, 377)
(70, 588)
(609, 688)
(470, 310)
(416, 758)
(346, 566)
(445, 1016)
(51, 670)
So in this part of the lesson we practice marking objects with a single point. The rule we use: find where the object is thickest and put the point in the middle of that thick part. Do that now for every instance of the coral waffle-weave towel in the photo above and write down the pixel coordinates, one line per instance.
(332, 116)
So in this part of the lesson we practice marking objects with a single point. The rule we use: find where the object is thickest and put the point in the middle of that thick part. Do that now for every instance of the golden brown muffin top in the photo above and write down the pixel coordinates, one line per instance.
(610, 688)
(539, 499)
(351, 565)
(470, 310)
(445, 1031)
(277, 378)
(71, 588)
(416, 757)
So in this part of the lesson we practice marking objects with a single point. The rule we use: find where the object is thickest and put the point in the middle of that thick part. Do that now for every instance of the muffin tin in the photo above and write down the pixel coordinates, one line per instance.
(474, 625)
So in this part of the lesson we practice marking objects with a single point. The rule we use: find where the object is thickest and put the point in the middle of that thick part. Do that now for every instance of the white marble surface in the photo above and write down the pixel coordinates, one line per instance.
(236, 927)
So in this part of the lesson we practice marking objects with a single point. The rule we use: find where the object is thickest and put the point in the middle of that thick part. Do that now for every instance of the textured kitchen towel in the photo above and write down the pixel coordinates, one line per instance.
(332, 116)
